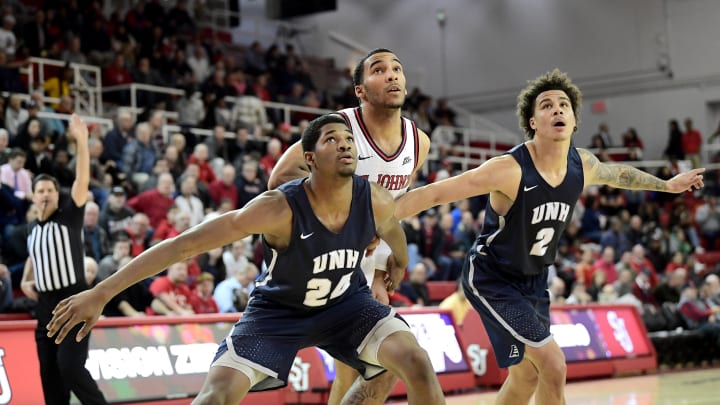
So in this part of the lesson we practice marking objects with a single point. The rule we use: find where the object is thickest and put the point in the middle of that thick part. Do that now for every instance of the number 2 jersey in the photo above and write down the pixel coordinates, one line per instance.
(524, 241)
(319, 267)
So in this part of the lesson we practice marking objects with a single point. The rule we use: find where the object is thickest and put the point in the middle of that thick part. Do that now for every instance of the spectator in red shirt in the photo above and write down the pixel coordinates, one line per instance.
(202, 300)
(224, 188)
(139, 233)
(698, 314)
(274, 150)
(155, 202)
(640, 263)
(606, 263)
(692, 143)
(117, 74)
(200, 158)
(171, 294)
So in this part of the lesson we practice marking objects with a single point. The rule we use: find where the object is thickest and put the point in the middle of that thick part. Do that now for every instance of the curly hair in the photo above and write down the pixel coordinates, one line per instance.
(555, 80)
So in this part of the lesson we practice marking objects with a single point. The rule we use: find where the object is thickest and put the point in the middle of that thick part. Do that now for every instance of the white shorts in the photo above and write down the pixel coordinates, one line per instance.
(378, 261)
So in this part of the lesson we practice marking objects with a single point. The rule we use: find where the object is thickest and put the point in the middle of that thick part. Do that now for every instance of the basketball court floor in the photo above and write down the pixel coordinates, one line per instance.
(694, 387)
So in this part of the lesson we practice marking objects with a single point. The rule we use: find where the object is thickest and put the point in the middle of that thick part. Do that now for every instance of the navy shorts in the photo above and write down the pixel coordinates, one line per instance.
(515, 309)
(268, 335)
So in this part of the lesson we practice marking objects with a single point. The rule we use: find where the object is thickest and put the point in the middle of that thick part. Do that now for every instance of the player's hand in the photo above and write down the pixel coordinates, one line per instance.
(28, 288)
(84, 307)
(395, 273)
(686, 181)
(372, 246)
(379, 288)
(78, 129)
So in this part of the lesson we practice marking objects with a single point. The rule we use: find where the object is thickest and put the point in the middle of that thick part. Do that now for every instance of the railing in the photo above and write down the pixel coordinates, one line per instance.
(105, 123)
(86, 83)
(133, 88)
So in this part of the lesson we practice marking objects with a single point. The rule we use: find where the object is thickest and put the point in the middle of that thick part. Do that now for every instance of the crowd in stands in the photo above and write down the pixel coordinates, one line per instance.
(622, 246)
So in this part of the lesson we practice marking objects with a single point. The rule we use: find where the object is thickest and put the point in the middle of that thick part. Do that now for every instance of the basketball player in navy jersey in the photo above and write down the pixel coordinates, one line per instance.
(533, 189)
(390, 149)
(314, 232)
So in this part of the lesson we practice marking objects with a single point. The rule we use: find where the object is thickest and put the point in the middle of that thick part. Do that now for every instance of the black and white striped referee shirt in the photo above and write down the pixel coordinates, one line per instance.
(56, 248)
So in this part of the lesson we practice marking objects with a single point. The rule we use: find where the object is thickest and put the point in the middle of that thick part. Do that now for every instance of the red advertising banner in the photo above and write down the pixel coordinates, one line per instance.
(597, 340)
(162, 358)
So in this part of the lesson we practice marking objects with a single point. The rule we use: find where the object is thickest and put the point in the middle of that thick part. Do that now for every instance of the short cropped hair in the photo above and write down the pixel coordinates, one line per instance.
(555, 80)
(312, 133)
(358, 73)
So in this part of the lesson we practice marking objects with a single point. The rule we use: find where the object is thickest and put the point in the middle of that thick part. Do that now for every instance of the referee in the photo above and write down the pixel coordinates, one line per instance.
(55, 270)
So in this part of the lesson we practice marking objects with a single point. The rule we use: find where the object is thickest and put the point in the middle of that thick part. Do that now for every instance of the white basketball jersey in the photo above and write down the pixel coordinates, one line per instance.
(392, 171)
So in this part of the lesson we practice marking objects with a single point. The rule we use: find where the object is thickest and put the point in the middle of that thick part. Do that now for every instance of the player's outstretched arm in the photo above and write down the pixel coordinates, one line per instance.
(291, 166)
(268, 213)
(627, 177)
(481, 180)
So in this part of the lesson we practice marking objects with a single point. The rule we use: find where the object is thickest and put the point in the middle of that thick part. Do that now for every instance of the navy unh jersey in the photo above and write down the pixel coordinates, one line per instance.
(319, 267)
(525, 240)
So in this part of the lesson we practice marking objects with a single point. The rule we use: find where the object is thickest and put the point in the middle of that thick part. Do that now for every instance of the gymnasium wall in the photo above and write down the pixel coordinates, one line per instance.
(494, 46)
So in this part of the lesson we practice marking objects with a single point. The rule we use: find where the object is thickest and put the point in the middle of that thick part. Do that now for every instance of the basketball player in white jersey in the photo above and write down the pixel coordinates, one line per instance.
(390, 149)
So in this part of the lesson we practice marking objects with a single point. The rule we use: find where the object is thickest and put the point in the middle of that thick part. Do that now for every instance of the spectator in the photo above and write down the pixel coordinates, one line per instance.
(15, 115)
(145, 74)
(171, 294)
(16, 176)
(115, 140)
(190, 108)
(699, 315)
(691, 143)
(10, 80)
(415, 288)
(91, 269)
(115, 75)
(111, 262)
(202, 301)
(60, 85)
(73, 53)
(220, 149)
(670, 289)
(625, 282)
(116, 216)
(6, 289)
(458, 304)
(249, 112)
(674, 148)
(640, 264)
(200, 157)
(140, 233)
(132, 301)
(707, 216)
(4, 149)
(597, 285)
(96, 240)
(8, 41)
(556, 289)
(199, 63)
(155, 202)
(270, 159)
(235, 258)
(188, 202)
(604, 134)
(139, 155)
(248, 184)
(255, 59)
(224, 187)
(578, 296)
(584, 269)
(615, 238)
(166, 228)
(233, 293)
(606, 264)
